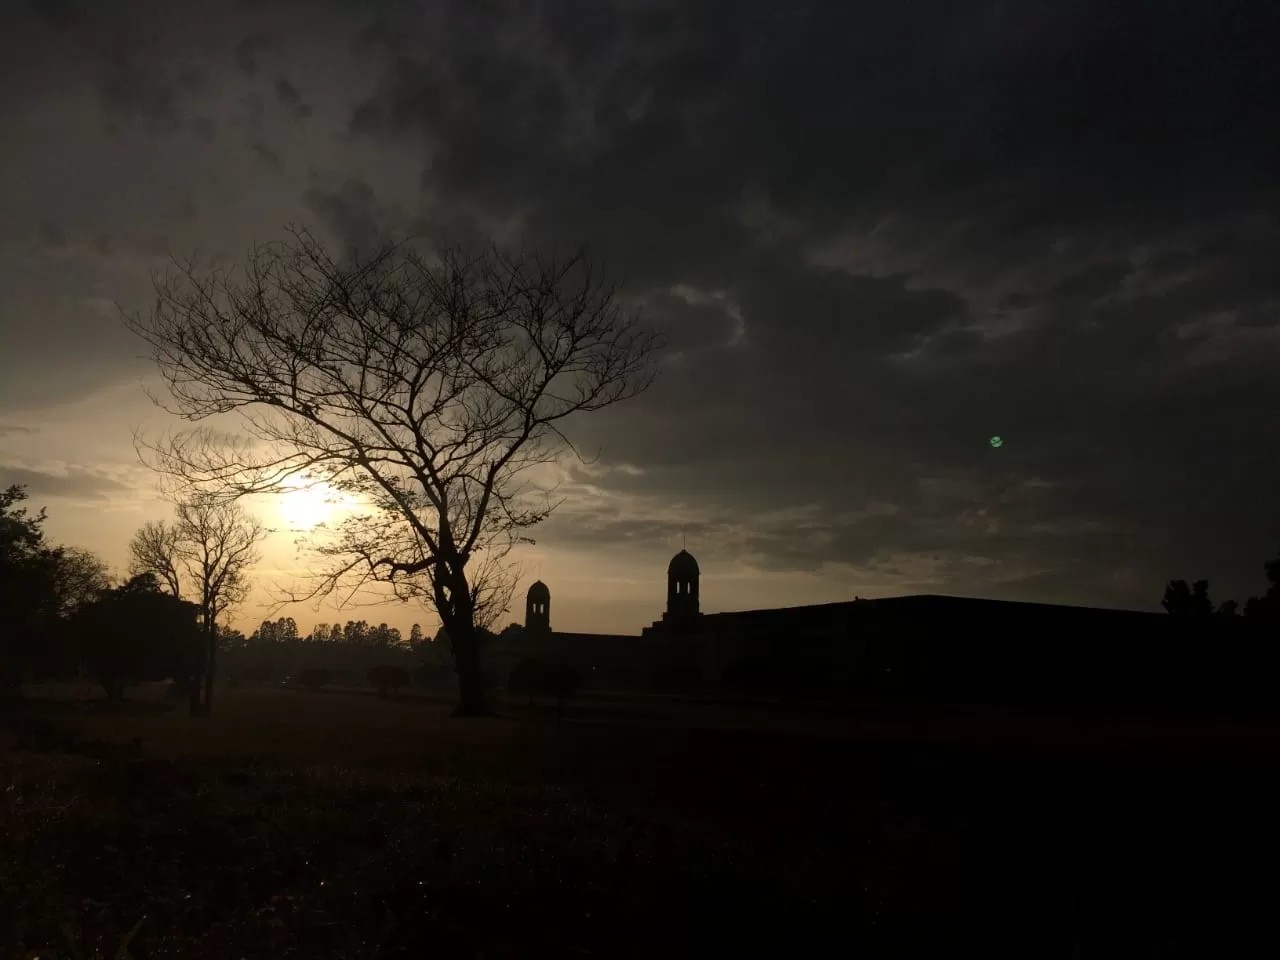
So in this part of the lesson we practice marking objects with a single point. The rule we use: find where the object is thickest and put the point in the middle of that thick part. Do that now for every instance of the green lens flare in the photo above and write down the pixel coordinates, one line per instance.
(997, 442)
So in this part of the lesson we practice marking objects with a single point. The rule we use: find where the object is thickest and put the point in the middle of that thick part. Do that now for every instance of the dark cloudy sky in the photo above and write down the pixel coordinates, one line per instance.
(876, 234)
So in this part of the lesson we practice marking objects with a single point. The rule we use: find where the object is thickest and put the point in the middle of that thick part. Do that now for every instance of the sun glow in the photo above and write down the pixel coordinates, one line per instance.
(309, 505)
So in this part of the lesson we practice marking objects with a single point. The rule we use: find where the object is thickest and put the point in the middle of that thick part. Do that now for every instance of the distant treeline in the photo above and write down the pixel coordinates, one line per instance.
(65, 616)
(355, 632)
(343, 655)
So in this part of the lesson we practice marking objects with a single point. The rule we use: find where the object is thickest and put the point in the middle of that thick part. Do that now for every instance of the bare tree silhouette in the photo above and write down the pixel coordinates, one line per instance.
(423, 383)
(156, 549)
(80, 578)
(209, 547)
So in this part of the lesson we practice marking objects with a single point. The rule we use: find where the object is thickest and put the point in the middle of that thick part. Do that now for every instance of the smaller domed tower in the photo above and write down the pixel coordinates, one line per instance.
(537, 610)
(682, 588)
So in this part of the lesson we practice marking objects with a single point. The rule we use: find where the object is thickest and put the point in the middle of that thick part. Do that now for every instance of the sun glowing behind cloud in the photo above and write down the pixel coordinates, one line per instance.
(309, 505)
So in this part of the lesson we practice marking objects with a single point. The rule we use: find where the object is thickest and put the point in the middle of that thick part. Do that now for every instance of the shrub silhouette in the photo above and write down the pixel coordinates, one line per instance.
(314, 678)
(388, 679)
(1187, 601)
(537, 678)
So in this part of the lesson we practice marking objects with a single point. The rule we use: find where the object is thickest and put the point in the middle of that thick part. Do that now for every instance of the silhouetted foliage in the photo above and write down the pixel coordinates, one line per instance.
(389, 680)
(1183, 601)
(80, 577)
(283, 630)
(156, 548)
(1262, 610)
(230, 638)
(347, 664)
(26, 586)
(385, 636)
(1266, 608)
(41, 586)
(320, 633)
(136, 632)
(313, 678)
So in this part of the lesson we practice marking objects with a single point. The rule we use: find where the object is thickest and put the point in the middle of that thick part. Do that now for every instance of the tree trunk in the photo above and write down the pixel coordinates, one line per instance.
(466, 661)
(453, 603)
(193, 675)
(209, 664)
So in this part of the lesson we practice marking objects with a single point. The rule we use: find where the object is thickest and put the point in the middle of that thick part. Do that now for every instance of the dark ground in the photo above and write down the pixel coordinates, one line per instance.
(296, 824)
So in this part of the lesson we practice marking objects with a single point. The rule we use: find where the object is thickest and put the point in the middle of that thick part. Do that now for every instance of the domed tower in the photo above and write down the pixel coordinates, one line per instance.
(537, 609)
(682, 588)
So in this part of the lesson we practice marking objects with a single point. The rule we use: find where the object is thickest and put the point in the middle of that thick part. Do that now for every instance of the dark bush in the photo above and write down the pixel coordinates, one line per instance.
(525, 679)
(537, 678)
(389, 680)
(314, 678)
(433, 677)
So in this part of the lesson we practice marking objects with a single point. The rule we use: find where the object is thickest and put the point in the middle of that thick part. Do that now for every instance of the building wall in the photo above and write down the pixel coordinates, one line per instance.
(927, 648)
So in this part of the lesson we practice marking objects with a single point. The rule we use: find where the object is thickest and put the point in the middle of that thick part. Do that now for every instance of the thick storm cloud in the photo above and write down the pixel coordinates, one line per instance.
(873, 235)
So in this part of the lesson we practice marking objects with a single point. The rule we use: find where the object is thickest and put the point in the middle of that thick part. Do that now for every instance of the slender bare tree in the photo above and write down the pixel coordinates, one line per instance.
(424, 382)
(157, 548)
(209, 547)
(81, 577)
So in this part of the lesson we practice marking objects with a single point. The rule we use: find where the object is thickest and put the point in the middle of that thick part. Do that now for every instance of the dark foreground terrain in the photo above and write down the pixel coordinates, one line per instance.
(296, 824)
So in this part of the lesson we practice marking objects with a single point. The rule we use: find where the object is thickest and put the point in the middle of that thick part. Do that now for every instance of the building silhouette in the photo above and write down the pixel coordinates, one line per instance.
(894, 648)
(537, 610)
(682, 589)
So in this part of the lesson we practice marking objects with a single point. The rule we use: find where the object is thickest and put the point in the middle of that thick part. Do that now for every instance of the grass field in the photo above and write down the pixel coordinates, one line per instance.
(296, 824)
